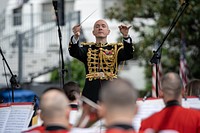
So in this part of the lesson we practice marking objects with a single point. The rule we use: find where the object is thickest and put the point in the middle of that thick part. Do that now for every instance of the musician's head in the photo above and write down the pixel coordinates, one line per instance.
(101, 29)
(54, 107)
(118, 101)
(72, 90)
(171, 87)
(193, 88)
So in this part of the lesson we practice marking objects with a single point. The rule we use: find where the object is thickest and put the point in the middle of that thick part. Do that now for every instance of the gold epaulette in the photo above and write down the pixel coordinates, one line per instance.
(101, 45)
(118, 44)
(87, 43)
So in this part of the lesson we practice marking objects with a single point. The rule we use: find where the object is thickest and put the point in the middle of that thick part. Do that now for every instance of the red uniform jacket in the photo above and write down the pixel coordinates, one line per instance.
(52, 129)
(120, 128)
(39, 129)
(173, 117)
(55, 129)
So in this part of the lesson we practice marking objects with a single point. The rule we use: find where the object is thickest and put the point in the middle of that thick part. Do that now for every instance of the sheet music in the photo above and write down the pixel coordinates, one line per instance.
(192, 103)
(19, 118)
(145, 109)
(4, 113)
(185, 103)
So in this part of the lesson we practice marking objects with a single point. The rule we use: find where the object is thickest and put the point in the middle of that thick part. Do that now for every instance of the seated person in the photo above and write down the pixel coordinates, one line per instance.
(118, 106)
(55, 111)
(72, 91)
(173, 116)
(193, 88)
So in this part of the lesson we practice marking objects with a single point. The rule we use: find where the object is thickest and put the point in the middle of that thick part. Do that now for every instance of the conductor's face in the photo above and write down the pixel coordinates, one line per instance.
(101, 29)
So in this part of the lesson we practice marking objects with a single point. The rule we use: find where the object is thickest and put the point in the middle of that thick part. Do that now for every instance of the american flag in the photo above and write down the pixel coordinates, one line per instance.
(183, 69)
(154, 79)
(159, 71)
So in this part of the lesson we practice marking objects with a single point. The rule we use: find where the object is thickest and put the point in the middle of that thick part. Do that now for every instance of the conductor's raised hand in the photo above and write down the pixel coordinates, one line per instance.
(124, 30)
(76, 30)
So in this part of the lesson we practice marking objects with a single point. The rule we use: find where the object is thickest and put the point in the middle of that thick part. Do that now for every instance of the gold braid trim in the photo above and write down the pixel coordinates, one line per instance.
(109, 61)
(100, 45)
(100, 75)
(117, 51)
(102, 63)
(87, 43)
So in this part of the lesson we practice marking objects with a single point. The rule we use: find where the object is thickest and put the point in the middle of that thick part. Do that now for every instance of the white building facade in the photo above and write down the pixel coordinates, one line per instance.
(31, 24)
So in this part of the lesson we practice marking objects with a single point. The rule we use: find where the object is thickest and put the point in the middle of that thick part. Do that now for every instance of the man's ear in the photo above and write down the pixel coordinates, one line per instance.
(41, 115)
(68, 112)
(93, 33)
(108, 31)
(101, 110)
(160, 93)
(136, 109)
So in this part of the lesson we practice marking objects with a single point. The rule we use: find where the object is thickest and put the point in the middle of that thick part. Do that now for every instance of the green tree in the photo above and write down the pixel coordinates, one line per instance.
(76, 72)
(151, 19)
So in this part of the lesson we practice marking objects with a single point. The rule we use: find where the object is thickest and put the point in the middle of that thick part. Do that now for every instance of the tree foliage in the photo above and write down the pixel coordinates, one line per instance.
(75, 72)
(151, 19)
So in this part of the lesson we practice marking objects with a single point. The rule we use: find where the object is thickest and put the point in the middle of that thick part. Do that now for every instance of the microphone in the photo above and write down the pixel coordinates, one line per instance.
(146, 96)
(55, 5)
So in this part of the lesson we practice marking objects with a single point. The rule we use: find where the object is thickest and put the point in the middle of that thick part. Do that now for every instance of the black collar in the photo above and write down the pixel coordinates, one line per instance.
(73, 106)
(172, 103)
(122, 126)
(50, 128)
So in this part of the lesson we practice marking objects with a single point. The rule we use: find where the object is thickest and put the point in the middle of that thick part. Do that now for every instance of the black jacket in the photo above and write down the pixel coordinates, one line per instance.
(91, 88)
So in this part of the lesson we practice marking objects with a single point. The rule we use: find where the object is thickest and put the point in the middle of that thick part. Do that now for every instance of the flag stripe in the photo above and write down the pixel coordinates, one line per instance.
(183, 70)
(154, 79)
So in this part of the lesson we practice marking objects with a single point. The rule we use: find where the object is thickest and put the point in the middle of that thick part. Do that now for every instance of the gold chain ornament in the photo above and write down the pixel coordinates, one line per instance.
(102, 63)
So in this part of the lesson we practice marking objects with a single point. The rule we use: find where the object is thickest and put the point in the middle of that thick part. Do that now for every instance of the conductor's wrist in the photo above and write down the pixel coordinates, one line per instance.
(126, 37)
(74, 40)
(76, 37)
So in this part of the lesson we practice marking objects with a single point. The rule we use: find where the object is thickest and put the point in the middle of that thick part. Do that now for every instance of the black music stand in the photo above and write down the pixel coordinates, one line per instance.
(13, 81)
(156, 57)
(63, 70)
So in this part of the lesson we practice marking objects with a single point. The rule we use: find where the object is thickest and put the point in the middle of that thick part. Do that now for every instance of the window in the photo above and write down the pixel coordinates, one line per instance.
(2, 22)
(17, 16)
(46, 12)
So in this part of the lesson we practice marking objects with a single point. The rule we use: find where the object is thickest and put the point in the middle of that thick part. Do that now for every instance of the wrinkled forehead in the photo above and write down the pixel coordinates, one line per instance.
(100, 22)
